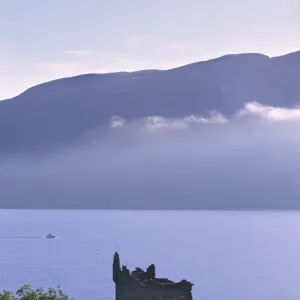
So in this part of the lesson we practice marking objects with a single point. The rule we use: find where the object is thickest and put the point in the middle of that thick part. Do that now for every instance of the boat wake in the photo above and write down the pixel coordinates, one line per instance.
(21, 237)
(48, 236)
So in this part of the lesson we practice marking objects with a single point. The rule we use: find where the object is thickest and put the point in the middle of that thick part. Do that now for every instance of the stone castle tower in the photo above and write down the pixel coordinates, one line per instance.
(143, 285)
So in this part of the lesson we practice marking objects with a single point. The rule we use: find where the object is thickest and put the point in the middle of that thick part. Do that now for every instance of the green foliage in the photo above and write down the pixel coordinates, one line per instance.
(27, 293)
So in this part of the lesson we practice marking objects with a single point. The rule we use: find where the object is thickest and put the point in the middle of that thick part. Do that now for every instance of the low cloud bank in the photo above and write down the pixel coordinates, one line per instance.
(252, 111)
(154, 123)
(270, 113)
(250, 161)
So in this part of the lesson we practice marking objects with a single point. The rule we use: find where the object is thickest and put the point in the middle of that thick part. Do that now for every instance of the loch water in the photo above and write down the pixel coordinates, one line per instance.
(228, 255)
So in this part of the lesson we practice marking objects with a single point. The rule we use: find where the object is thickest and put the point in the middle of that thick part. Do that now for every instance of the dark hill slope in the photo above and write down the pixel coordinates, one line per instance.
(59, 112)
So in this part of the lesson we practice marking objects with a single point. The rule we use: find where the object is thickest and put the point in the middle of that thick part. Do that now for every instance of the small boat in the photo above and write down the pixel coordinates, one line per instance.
(50, 236)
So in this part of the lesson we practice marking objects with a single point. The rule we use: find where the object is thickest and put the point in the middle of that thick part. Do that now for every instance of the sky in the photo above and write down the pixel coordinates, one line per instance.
(46, 40)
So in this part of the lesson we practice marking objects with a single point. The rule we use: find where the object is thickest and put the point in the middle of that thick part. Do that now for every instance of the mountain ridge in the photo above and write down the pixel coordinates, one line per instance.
(58, 111)
(159, 70)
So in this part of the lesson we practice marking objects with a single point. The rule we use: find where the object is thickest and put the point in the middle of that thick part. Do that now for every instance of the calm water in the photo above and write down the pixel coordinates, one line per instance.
(227, 255)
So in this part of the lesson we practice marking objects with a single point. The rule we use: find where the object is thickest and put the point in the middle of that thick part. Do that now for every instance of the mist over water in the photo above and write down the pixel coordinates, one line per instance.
(247, 162)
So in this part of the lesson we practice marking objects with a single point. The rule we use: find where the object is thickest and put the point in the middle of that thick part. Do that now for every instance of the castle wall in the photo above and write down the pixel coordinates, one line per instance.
(134, 291)
(143, 285)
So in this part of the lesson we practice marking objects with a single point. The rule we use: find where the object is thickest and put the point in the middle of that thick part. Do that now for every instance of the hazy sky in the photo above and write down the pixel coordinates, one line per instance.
(44, 40)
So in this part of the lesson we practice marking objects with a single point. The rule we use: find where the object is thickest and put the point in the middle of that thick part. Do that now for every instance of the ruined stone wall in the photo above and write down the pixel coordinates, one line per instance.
(140, 285)
(132, 290)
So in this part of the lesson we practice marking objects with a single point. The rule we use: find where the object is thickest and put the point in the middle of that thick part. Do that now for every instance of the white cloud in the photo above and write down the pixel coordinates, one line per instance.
(117, 122)
(270, 113)
(159, 123)
(252, 111)
(155, 123)
(214, 118)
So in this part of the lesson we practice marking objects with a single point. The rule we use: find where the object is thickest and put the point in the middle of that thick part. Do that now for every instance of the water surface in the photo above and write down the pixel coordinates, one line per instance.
(227, 255)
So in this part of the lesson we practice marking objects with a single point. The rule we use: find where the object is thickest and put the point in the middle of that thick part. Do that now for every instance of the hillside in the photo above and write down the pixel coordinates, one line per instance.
(56, 113)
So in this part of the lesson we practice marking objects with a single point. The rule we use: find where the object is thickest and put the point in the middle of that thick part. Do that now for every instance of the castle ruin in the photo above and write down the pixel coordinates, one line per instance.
(143, 285)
